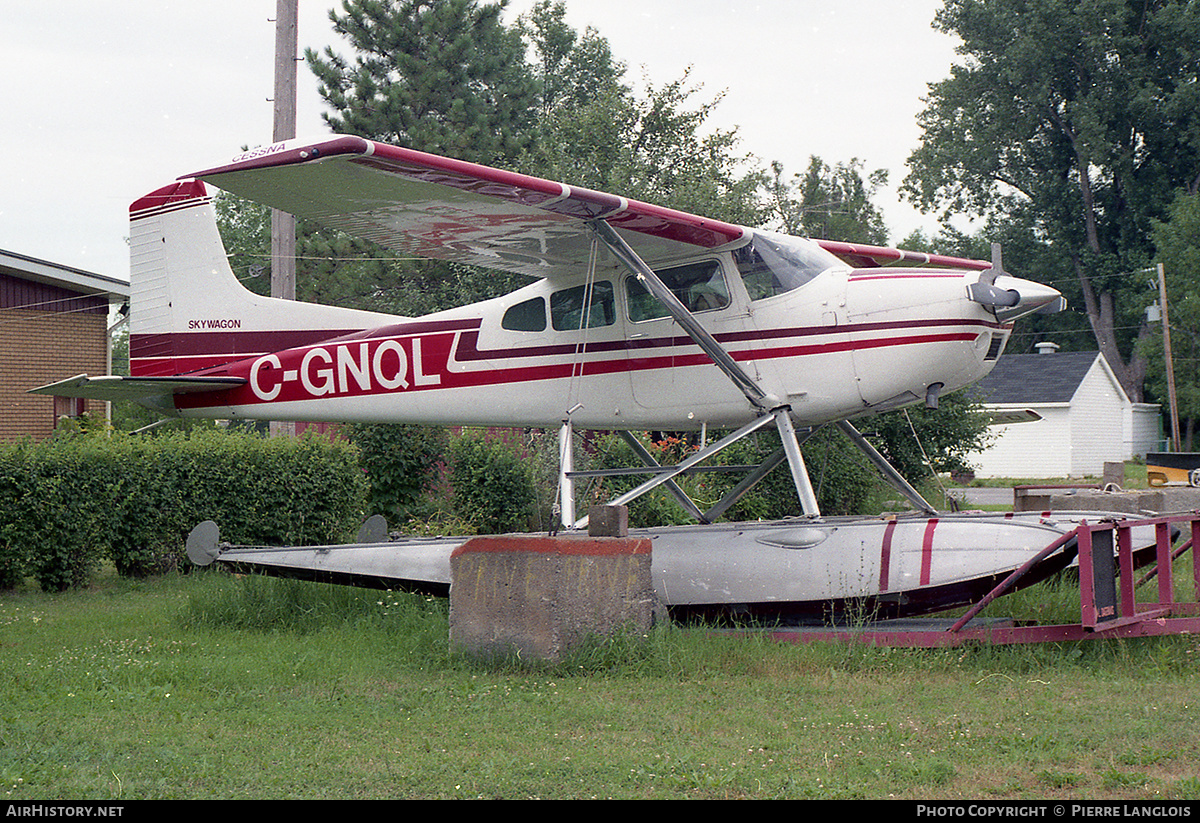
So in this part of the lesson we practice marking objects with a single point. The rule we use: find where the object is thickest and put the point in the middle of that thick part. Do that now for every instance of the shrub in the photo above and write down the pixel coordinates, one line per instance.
(400, 462)
(54, 511)
(842, 478)
(15, 482)
(68, 500)
(493, 489)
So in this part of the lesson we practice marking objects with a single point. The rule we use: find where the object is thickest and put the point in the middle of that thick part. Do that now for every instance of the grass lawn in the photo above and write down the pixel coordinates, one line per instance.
(210, 686)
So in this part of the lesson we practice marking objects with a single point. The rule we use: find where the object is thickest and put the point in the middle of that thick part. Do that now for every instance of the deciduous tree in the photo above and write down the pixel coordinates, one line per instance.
(831, 202)
(1077, 119)
(1177, 243)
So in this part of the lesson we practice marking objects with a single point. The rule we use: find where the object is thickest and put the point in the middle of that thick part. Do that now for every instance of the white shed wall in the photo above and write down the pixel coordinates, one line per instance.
(1145, 430)
(1098, 429)
(1038, 449)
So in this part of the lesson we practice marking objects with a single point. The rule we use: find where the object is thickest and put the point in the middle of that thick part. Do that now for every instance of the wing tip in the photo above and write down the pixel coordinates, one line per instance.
(290, 152)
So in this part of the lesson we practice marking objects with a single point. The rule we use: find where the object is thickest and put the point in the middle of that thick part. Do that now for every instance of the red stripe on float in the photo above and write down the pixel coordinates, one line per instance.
(927, 551)
(885, 556)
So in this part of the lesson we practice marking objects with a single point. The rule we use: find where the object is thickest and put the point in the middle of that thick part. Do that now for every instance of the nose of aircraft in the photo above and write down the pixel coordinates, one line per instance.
(1011, 297)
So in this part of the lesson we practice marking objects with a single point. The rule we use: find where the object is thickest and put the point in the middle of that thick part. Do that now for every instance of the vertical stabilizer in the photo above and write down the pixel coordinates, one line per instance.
(188, 312)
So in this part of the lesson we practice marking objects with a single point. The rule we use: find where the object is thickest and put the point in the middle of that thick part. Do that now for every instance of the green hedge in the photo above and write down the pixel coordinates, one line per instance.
(69, 502)
(492, 482)
(401, 464)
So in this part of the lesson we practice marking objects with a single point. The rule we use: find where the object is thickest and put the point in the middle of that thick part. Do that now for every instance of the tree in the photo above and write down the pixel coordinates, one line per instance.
(424, 74)
(595, 131)
(1078, 120)
(443, 76)
(571, 69)
(1177, 242)
(833, 203)
(919, 441)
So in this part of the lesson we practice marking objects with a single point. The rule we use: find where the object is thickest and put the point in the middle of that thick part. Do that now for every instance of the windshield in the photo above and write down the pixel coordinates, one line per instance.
(772, 264)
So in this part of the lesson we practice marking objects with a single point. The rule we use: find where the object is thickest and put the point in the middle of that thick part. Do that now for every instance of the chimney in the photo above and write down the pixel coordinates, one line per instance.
(1046, 348)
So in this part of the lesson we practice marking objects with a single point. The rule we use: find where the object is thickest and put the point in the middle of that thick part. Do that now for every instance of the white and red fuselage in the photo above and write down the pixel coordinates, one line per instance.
(829, 340)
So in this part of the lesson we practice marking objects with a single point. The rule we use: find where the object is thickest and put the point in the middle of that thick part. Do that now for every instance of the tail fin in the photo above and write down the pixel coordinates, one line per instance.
(188, 312)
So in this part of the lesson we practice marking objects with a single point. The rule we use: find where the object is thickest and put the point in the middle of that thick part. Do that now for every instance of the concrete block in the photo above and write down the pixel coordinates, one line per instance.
(539, 596)
(1179, 499)
(1030, 501)
(1131, 502)
(1114, 473)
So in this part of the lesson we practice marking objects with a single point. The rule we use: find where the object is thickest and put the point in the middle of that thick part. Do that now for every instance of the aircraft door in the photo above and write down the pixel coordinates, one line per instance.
(667, 369)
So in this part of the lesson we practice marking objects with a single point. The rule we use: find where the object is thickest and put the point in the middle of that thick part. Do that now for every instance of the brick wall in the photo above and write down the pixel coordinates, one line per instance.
(40, 347)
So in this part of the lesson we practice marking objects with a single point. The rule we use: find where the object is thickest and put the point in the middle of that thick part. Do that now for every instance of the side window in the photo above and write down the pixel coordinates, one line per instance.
(699, 287)
(574, 309)
(527, 316)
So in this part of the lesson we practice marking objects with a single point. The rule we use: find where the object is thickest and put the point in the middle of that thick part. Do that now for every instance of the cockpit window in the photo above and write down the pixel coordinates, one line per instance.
(772, 264)
(575, 308)
(699, 287)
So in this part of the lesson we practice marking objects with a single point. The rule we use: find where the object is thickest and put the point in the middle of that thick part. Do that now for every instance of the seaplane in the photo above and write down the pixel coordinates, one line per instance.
(639, 318)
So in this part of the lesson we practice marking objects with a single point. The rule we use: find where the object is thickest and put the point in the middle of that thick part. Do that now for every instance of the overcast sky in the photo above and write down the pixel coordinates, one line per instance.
(106, 101)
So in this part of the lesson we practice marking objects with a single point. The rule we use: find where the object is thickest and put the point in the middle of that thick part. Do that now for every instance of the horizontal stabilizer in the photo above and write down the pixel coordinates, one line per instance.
(997, 417)
(115, 387)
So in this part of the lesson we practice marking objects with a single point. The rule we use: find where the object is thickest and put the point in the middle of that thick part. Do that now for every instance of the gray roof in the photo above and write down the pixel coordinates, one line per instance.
(54, 274)
(1036, 378)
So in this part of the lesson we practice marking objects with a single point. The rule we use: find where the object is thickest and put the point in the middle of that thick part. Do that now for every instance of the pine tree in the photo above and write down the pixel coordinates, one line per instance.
(442, 76)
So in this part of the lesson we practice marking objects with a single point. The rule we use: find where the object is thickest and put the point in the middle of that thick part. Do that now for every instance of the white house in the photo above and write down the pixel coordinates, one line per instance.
(1087, 419)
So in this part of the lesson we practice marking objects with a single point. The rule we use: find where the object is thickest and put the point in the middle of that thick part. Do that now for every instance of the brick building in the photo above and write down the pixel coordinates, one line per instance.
(53, 325)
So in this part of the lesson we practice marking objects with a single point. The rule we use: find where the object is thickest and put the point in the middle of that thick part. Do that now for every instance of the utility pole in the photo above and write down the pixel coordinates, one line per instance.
(283, 225)
(1166, 328)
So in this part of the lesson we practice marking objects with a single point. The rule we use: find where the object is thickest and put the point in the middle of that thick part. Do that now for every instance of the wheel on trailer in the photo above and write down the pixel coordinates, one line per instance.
(1194, 478)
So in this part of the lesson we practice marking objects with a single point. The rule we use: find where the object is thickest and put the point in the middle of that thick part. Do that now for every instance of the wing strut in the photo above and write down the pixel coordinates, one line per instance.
(886, 469)
(707, 343)
(771, 408)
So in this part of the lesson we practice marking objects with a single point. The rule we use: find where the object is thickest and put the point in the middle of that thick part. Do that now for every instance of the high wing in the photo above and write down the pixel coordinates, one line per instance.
(430, 206)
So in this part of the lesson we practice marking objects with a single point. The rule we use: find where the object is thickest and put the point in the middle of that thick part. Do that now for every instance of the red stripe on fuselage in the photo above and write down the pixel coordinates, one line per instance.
(885, 556)
(450, 351)
(154, 354)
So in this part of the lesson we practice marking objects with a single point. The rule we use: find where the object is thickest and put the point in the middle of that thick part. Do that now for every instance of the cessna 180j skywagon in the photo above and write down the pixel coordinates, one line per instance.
(642, 318)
